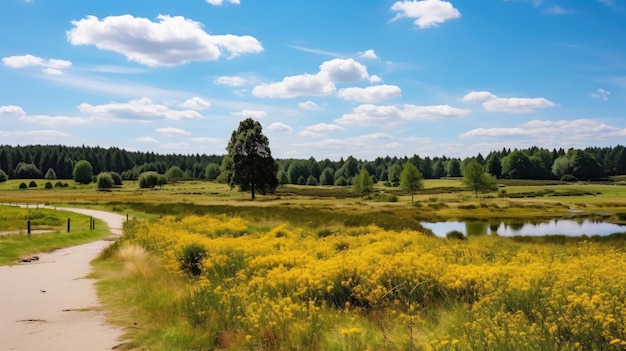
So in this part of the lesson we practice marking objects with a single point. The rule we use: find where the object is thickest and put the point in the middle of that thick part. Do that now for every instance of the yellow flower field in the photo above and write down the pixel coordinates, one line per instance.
(366, 288)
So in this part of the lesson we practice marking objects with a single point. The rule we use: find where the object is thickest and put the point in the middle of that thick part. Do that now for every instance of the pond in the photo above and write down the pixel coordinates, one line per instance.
(568, 227)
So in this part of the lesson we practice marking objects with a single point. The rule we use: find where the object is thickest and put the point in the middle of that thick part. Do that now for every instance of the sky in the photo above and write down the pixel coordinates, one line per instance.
(325, 78)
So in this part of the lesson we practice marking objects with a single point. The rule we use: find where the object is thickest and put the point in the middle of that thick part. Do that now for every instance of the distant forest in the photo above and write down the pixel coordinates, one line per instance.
(35, 161)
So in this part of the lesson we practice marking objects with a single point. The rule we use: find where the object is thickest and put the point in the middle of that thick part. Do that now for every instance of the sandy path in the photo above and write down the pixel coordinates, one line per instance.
(50, 305)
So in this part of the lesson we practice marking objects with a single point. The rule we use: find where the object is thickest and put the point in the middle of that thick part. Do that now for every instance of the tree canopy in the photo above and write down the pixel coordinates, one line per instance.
(476, 179)
(411, 179)
(363, 183)
(250, 163)
(83, 172)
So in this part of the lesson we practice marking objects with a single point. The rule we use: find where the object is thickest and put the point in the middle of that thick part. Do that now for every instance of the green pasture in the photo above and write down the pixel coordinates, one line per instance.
(16, 244)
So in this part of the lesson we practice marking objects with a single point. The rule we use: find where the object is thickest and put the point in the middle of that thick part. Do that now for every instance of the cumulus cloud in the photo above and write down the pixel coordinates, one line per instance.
(50, 66)
(600, 94)
(375, 93)
(493, 103)
(196, 103)
(320, 84)
(320, 130)
(251, 114)
(221, 2)
(11, 110)
(368, 54)
(369, 114)
(169, 42)
(279, 127)
(553, 132)
(231, 81)
(148, 140)
(308, 105)
(142, 109)
(170, 131)
(427, 13)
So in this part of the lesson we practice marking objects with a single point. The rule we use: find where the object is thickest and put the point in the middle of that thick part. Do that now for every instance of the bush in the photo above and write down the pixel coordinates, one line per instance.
(104, 181)
(117, 179)
(83, 172)
(312, 181)
(455, 234)
(148, 180)
(3, 176)
(48, 185)
(341, 181)
(568, 178)
(32, 184)
(50, 174)
(58, 184)
(23, 186)
(191, 259)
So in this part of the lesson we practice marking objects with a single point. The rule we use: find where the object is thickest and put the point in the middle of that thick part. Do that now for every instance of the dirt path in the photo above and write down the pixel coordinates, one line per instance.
(50, 305)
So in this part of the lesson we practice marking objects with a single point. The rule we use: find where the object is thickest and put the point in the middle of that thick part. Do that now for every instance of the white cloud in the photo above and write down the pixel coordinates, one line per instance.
(308, 105)
(36, 134)
(368, 54)
(231, 81)
(320, 130)
(493, 103)
(553, 132)
(319, 84)
(374, 79)
(600, 94)
(148, 140)
(196, 103)
(50, 66)
(220, 2)
(169, 42)
(417, 140)
(250, 114)
(170, 131)
(427, 13)
(11, 110)
(280, 127)
(207, 140)
(55, 120)
(369, 114)
(142, 109)
(375, 93)
(343, 70)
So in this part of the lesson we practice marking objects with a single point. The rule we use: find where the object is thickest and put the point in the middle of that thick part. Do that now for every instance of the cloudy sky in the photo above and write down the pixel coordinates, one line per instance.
(325, 78)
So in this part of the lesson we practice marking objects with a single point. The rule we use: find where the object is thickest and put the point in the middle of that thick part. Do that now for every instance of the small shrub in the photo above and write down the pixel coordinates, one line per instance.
(58, 184)
(23, 186)
(48, 185)
(32, 184)
(342, 246)
(568, 178)
(191, 259)
(455, 234)
(324, 233)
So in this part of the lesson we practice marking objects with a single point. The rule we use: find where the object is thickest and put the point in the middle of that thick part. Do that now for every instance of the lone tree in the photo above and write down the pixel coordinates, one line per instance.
(362, 183)
(411, 179)
(249, 163)
(83, 172)
(476, 179)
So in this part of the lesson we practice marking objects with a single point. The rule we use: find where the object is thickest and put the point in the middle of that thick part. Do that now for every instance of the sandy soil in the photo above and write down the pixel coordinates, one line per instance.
(48, 304)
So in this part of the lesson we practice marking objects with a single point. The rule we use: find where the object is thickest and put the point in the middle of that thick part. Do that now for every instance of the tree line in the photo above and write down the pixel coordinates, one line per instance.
(58, 162)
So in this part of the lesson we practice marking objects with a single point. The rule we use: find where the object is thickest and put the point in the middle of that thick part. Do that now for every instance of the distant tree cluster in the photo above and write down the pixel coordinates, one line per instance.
(58, 162)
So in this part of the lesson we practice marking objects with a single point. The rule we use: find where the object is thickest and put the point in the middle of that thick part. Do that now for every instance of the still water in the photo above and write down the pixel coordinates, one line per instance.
(509, 228)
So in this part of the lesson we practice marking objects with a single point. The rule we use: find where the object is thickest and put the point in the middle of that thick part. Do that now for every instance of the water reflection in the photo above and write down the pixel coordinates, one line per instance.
(567, 227)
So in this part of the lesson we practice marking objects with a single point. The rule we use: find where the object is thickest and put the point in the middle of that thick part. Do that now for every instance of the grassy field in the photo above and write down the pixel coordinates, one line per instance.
(320, 268)
(15, 244)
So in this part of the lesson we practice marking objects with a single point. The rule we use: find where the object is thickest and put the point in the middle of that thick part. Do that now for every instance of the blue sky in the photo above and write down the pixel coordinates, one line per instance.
(325, 78)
